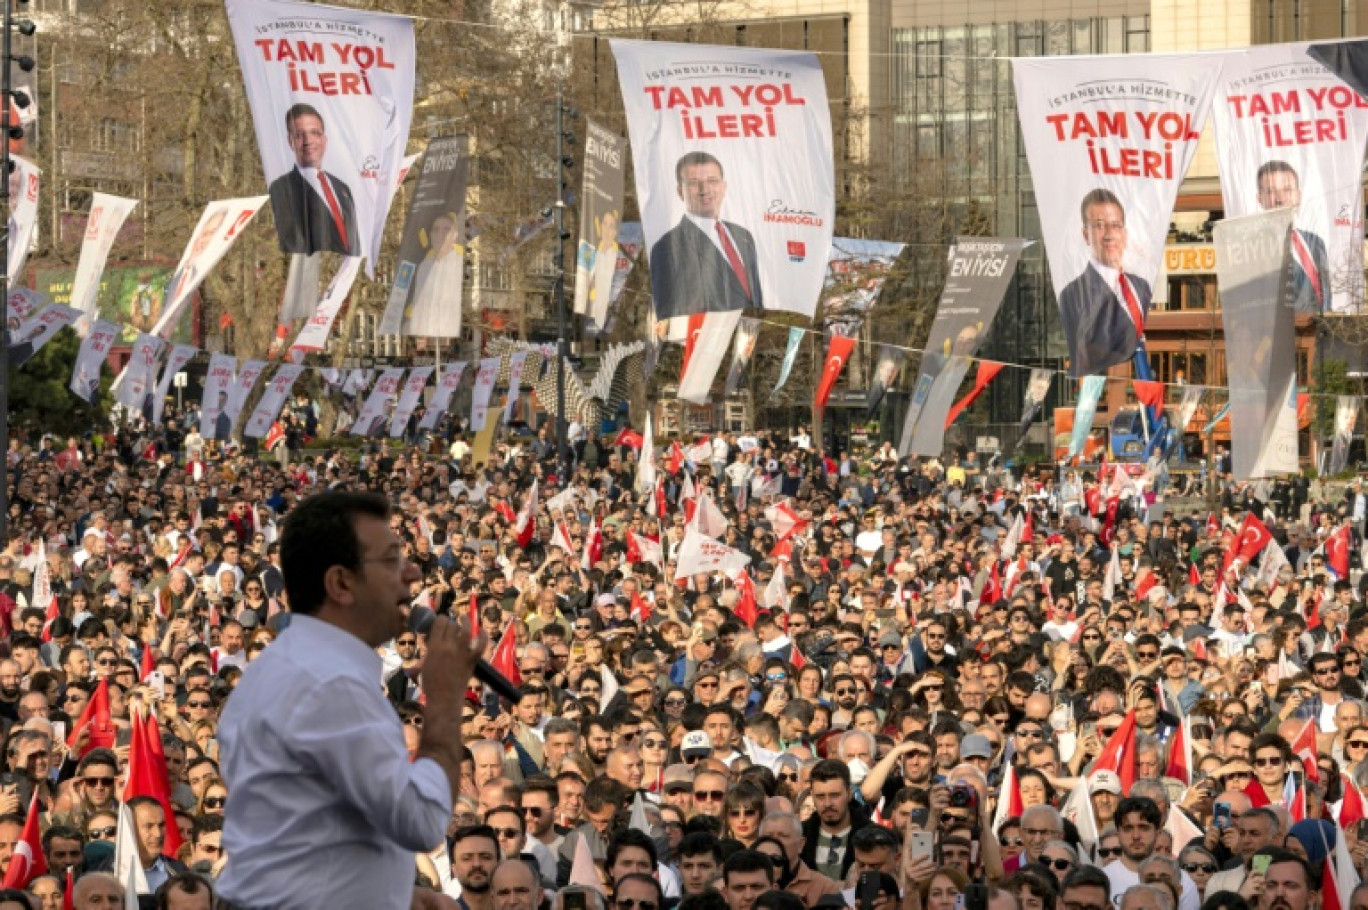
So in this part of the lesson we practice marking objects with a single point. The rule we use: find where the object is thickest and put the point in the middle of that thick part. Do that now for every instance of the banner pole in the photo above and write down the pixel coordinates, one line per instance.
(562, 444)
(5, 164)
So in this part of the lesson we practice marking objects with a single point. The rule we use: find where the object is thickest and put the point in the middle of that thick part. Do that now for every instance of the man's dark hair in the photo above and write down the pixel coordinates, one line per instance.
(694, 159)
(748, 861)
(205, 824)
(1090, 876)
(540, 783)
(300, 110)
(327, 517)
(830, 769)
(65, 832)
(604, 791)
(1275, 166)
(469, 831)
(643, 880)
(1147, 809)
(510, 810)
(711, 899)
(698, 844)
(630, 837)
(1276, 857)
(99, 757)
(182, 883)
(1100, 196)
(138, 802)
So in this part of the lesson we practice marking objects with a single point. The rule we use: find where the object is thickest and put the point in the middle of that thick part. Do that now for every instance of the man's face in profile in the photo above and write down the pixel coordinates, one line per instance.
(1279, 189)
(702, 188)
(1104, 230)
(308, 141)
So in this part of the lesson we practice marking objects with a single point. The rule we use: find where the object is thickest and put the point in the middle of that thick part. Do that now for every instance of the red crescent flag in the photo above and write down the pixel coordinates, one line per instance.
(505, 656)
(838, 352)
(1304, 747)
(1149, 393)
(992, 588)
(1180, 752)
(52, 613)
(147, 774)
(987, 369)
(27, 862)
(628, 437)
(1213, 527)
(147, 665)
(1118, 755)
(1351, 809)
(526, 523)
(96, 717)
(1337, 552)
(745, 609)
(695, 327)
(1193, 577)
(784, 521)
(661, 503)
(593, 547)
(1257, 797)
(1253, 537)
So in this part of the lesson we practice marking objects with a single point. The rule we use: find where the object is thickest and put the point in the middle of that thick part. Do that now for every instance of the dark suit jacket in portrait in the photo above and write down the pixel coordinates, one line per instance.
(1302, 292)
(690, 275)
(304, 221)
(1098, 328)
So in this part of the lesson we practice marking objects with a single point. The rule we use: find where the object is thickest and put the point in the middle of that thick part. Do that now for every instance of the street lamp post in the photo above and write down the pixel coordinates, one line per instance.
(563, 162)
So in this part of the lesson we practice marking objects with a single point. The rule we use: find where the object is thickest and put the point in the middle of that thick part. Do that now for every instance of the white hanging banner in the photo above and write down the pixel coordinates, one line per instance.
(106, 219)
(37, 330)
(441, 398)
(218, 383)
(356, 382)
(242, 388)
(24, 302)
(707, 346)
(484, 388)
(140, 374)
(23, 218)
(180, 355)
(734, 174)
(372, 419)
(85, 376)
(1346, 415)
(221, 224)
(409, 398)
(314, 335)
(515, 369)
(272, 400)
(1108, 140)
(331, 92)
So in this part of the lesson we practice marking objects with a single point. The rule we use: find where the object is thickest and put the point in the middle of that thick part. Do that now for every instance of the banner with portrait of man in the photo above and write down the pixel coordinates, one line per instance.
(1291, 134)
(1108, 140)
(1346, 415)
(85, 375)
(331, 92)
(425, 299)
(600, 219)
(218, 385)
(855, 276)
(106, 219)
(732, 152)
(223, 220)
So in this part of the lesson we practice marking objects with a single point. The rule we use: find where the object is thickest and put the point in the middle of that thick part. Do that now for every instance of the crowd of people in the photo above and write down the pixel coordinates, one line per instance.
(934, 685)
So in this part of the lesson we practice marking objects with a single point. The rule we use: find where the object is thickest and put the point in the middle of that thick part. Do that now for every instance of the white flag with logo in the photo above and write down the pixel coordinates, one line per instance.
(85, 376)
(272, 400)
(705, 347)
(242, 388)
(37, 330)
(409, 398)
(372, 419)
(485, 378)
(701, 555)
(180, 355)
(141, 373)
(441, 397)
(106, 219)
(314, 335)
(646, 461)
(23, 213)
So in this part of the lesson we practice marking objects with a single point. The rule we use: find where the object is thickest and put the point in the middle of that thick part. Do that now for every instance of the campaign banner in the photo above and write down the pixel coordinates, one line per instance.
(1187, 408)
(1290, 133)
(856, 272)
(85, 375)
(180, 355)
(631, 241)
(425, 299)
(441, 398)
(37, 330)
(106, 219)
(703, 353)
(356, 382)
(223, 220)
(1108, 140)
(485, 377)
(23, 217)
(600, 215)
(218, 384)
(272, 400)
(24, 302)
(515, 370)
(372, 419)
(734, 174)
(979, 271)
(700, 554)
(886, 369)
(795, 340)
(409, 399)
(1346, 415)
(1037, 387)
(140, 374)
(1090, 389)
(331, 92)
(242, 387)
(314, 335)
(1252, 274)
(743, 346)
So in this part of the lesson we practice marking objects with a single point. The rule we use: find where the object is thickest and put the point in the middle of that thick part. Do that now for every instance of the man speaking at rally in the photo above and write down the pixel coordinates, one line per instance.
(327, 809)
(1103, 310)
(1280, 187)
(703, 264)
(313, 209)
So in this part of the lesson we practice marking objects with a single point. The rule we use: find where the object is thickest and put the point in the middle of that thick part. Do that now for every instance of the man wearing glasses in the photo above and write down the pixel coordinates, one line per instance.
(1326, 674)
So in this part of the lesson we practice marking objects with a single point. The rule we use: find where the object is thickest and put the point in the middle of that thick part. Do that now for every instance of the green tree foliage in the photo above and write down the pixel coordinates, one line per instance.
(39, 400)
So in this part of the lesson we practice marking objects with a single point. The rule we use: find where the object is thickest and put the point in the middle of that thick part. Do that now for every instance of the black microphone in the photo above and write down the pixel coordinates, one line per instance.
(502, 685)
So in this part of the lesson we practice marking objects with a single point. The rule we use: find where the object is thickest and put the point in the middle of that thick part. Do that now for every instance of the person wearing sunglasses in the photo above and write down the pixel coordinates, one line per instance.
(1200, 865)
(638, 891)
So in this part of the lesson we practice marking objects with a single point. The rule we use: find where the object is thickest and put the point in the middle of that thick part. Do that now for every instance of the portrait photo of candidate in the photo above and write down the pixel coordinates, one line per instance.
(704, 264)
(1280, 187)
(437, 281)
(1103, 310)
(313, 209)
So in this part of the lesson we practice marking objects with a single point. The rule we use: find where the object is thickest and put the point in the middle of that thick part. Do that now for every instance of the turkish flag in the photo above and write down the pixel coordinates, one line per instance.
(992, 588)
(147, 775)
(1213, 527)
(1194, 578)
(1337, 552)
(27, 862)
(676, 458)
(838, 352)
(745, 609)
(1149, 393)
(147, 665)
(1351, 809)
(987, 369)
(96, 718)
(474, 614)
(695, 328)
(1143, 584)
(641, 607)
(1304, 747)
(52, 613)
(505, 657)
(1257, 797)
(525, 523)
(1180, 752)
(1118, 755)
(628, 437)
(1253, 537)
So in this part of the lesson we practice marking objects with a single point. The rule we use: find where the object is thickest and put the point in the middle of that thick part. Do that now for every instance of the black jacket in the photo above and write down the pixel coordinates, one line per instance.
(1099, 331)
(812, 828)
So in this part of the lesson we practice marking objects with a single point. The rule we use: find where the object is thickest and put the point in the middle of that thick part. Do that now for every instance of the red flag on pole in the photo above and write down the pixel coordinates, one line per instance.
(838, 352)
(1149, 393)
(745, 609)
(1118, 755)
(474, 614)
(987, 369)
(148, 665)
(1337, 552)
(505, 656)
(147, 775)
(1304, 747)
(96, 718)
(27, 862)
(628, 437)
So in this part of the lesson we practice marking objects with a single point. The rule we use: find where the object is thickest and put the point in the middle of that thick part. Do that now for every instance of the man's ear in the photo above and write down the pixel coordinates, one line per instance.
(337, 585)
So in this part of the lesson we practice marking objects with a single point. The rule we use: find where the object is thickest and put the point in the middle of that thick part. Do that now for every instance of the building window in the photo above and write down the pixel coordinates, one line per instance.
(1193, 292)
